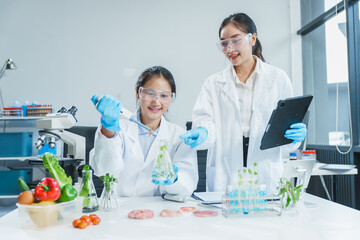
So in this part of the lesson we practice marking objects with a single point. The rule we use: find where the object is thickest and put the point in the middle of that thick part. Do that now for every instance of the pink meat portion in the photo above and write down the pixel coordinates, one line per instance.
(205, 213)
(169, 213)
(141, 214)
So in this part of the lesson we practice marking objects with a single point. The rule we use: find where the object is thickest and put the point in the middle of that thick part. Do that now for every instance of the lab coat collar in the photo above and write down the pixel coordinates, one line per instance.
(132, 133)
(229, 88)
(262, 84)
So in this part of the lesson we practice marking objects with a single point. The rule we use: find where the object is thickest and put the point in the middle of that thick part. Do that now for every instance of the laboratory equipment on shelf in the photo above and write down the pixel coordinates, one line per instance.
(130, 116)
(53, 126)
(53, 129)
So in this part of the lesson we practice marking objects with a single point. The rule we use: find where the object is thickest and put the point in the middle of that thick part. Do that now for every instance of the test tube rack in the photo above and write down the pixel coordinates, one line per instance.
(12, 112)
(38, 110)
(251, 206)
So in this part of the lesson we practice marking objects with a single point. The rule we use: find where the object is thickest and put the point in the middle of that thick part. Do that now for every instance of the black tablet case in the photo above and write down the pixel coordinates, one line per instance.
(288, 111)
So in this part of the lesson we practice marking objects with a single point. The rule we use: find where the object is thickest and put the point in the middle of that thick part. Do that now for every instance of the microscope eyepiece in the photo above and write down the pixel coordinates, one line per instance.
(72, 110)
(62, 110)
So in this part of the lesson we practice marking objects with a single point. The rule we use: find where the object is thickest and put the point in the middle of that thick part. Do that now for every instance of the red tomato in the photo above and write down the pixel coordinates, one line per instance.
(92, 216)
(76, 223)
(85, 219)
(96, 221)
(83, 225)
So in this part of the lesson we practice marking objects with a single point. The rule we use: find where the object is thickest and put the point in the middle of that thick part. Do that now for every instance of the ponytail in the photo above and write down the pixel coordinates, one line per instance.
(257, 50)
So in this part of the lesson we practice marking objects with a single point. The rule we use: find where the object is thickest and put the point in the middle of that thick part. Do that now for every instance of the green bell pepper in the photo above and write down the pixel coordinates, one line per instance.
(68, 193)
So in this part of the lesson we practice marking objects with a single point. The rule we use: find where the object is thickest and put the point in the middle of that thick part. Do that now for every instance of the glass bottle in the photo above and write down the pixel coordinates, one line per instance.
(90, 202)
(163, 168)
(293, 156)
(108, 196)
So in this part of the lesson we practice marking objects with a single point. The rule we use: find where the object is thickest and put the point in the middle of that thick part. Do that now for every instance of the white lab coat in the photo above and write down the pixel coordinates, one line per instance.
(123, 157)
(217, 109)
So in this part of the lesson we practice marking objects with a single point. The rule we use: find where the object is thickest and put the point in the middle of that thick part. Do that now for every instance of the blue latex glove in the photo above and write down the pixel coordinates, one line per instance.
(195, 137)
(297, 132)
(170, 181)
(110, 110)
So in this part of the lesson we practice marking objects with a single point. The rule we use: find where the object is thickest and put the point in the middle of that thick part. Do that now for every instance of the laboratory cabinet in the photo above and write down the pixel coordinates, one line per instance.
(17, 147)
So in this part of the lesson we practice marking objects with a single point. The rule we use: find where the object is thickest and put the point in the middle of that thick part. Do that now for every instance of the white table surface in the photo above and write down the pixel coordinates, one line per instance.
(327, 220)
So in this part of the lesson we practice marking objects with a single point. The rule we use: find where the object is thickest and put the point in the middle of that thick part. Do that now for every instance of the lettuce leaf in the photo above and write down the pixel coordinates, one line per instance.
(56, 171)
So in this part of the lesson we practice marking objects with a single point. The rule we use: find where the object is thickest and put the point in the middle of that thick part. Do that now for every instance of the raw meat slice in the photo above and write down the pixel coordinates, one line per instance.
(141, 214)
(188, 209)
(170, 213)
(206, 213)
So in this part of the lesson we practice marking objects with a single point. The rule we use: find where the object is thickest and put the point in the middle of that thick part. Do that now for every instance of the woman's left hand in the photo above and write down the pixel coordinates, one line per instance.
(297, 132)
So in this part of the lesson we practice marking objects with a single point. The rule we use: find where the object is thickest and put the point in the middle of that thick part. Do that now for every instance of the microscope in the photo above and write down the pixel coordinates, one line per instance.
(53, 126)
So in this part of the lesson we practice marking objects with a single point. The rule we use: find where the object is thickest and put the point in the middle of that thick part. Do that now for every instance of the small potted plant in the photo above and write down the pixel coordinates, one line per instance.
(289, 194)
(108, 195)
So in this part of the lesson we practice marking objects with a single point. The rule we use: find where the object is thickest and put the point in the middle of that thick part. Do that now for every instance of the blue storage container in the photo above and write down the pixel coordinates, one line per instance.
(8, 180)
(16, 144)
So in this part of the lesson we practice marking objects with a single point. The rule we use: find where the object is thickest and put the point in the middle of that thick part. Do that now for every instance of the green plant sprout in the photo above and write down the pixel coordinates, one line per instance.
(288, 192)
(163, 169)
(108, 179)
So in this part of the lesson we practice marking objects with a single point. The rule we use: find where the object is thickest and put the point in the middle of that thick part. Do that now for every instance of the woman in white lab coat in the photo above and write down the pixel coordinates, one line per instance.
(234, 107)
(127, 151)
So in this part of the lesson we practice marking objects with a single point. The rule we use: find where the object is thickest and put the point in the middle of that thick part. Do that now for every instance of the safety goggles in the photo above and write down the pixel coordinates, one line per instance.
(235, 43)
(148, 94)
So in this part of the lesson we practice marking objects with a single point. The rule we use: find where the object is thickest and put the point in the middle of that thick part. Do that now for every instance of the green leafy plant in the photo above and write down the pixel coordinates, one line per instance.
(163, 167)
(108, 179)
(87, 186)
(288, 192)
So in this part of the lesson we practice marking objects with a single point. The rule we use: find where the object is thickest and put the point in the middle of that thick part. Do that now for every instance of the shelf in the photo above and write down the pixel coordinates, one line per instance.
(34, 159)
(8, 196)
(16, 158)
(19, 118)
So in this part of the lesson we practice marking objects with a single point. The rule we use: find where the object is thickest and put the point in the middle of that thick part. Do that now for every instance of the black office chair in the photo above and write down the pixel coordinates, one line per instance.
(201, 160)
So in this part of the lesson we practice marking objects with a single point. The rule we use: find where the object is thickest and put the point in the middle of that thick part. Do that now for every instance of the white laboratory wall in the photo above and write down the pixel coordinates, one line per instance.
(68, 50)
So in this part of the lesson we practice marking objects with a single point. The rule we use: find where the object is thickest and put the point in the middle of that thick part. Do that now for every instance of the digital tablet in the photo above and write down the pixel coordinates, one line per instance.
(288, 111)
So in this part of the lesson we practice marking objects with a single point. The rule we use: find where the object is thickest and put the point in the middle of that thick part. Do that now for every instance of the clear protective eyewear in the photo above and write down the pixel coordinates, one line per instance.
(148, 94)
(235, 43)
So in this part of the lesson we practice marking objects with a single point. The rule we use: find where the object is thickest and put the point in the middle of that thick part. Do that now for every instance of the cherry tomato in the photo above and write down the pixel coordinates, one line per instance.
(92, 216)
(76, 223)
(96, 221)
(85, 219)
(83, 225)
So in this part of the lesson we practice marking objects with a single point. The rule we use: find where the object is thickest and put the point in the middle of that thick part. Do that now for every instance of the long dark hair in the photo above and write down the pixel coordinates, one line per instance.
(244, 23)
(156, 71)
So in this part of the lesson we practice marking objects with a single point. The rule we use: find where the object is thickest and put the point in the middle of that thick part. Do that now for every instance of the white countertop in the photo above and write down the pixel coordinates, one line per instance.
(327, 220)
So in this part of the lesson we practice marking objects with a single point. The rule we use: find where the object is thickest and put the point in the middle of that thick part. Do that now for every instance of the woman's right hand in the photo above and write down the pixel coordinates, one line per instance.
(195, 137)
(110, 110)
